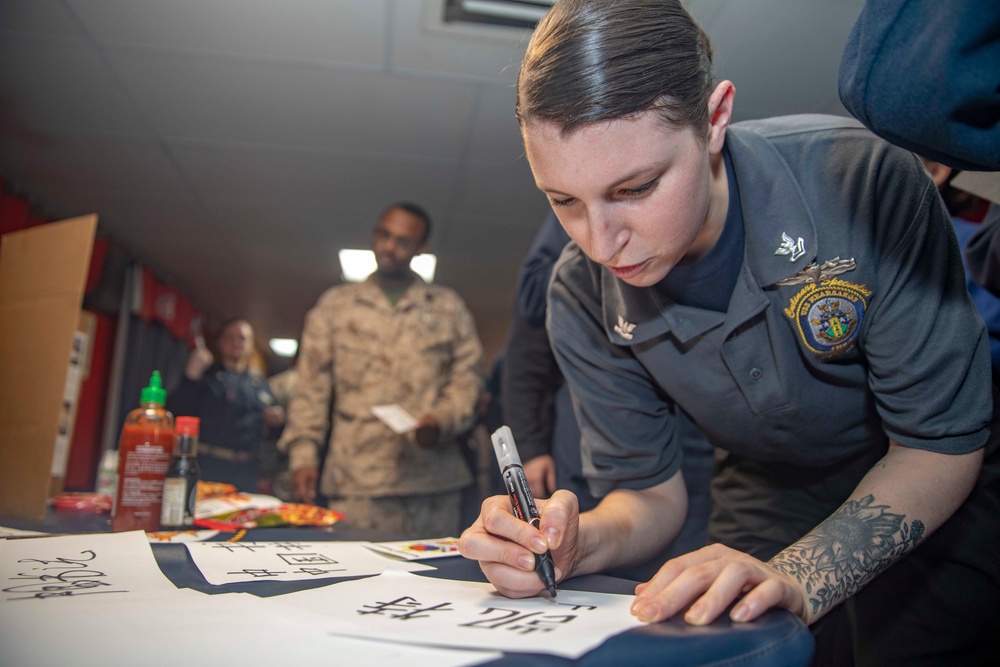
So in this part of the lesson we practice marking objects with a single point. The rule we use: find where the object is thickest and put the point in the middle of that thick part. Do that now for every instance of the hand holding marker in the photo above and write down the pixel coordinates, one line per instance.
(520, 498)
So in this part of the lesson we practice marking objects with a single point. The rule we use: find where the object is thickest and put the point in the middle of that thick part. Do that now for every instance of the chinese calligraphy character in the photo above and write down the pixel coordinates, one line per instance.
(403, 608)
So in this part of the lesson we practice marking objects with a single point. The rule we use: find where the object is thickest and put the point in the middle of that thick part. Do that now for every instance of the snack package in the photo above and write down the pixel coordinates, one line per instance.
(286, 514)
(214, 489)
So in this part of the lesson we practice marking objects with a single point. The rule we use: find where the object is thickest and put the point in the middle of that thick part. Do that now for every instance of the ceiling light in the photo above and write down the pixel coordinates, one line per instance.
(284, 347)
(513, 13)
(357, 265)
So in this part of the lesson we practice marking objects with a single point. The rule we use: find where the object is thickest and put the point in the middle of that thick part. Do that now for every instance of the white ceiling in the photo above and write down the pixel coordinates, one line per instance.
(237, 145)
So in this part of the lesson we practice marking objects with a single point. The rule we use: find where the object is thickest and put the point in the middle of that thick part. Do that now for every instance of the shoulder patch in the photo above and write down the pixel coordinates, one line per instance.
(829, 314)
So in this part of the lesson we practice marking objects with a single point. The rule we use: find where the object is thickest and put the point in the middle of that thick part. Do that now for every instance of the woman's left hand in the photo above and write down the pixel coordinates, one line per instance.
(709, 580)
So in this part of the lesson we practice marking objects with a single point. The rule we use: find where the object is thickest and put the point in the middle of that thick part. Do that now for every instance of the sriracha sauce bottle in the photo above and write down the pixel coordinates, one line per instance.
(145, 450)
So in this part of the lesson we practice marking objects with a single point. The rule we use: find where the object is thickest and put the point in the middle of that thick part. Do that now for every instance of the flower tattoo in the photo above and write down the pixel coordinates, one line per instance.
(849, 549)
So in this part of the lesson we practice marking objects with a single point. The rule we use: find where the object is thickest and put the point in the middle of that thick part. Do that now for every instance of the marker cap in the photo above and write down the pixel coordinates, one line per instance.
(504, 447)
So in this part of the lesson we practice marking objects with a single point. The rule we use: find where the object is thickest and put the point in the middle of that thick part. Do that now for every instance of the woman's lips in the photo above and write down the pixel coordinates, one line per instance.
(626, 272)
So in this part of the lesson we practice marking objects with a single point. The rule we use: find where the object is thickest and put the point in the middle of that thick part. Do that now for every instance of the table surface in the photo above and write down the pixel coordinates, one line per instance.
(777, 639)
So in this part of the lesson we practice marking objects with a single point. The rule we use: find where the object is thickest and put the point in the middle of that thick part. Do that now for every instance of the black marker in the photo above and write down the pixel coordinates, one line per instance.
(520, 498)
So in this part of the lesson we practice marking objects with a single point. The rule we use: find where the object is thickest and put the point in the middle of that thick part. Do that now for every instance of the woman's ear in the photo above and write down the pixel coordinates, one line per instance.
(720, 113)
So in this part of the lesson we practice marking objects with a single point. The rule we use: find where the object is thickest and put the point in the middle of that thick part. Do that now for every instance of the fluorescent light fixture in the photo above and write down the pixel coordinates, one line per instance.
(525, 10)
(424, 266)
(356, 265)
(284, 347)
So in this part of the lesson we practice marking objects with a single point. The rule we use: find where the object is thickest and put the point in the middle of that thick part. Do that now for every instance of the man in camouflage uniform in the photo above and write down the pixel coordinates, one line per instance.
(392, 339)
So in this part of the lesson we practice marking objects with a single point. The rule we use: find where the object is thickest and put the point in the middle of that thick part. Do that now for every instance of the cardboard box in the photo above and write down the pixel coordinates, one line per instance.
(43, 271)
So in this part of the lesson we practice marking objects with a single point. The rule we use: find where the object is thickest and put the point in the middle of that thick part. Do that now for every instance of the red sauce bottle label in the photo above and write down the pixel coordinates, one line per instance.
(144, 454)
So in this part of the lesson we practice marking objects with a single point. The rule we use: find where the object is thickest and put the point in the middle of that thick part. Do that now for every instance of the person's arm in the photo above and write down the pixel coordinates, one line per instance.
(189, 397)
(645, 498)
(274, 413)
(627, 527)
(901, 501)
(454, 410)
(983, 252)
(932, 391)
(924, 76)
(530, 380)
(308, 408)
(533, 279)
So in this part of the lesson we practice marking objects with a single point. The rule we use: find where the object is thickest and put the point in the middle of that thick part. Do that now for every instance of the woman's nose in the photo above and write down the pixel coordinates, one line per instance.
(604, 237)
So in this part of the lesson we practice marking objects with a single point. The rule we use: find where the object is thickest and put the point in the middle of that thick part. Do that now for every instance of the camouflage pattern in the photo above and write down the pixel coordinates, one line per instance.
(357, 351)
(405, 517)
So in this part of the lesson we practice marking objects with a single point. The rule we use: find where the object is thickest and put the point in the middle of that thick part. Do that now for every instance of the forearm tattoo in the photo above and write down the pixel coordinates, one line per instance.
(849, 549)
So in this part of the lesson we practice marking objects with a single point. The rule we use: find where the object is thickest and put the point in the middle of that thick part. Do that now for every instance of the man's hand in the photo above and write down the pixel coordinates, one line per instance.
(541, 475)
(274, 415)
(304, 485)
(427, 431)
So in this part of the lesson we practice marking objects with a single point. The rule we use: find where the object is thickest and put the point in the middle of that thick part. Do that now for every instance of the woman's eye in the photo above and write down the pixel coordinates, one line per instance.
(642, 189)
(560, 202)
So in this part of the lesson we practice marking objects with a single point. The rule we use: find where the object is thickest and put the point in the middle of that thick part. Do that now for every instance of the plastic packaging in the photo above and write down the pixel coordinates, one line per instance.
(180, 486)
(107, 472)
(144, 454)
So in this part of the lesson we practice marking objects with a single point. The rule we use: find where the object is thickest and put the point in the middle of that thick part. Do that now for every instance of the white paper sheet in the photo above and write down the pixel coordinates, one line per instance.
(395, 417)
(199, 629)
(6, 532)
(51, 570)
(229, 562)
(101, 599)
(398, 606)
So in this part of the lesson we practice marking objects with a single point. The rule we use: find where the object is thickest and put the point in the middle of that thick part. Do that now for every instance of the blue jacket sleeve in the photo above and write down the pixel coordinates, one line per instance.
(533, 281)
(925, 75)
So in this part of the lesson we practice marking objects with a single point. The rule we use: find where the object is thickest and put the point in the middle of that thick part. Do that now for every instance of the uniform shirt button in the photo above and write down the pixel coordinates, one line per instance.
(756, 373)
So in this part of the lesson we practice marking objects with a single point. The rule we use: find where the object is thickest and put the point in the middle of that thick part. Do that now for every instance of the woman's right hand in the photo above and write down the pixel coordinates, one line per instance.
(505, 546)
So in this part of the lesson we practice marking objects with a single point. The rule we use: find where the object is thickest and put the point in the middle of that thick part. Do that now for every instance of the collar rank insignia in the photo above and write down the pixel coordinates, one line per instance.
(624, 329)
(795, 248)
(815, 273)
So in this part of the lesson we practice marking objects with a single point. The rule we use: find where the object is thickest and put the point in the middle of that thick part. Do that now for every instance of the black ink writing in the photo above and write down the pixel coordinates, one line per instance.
(231, 546)
(257, 572)
(519, 622)
(62, 577)
(403, 608)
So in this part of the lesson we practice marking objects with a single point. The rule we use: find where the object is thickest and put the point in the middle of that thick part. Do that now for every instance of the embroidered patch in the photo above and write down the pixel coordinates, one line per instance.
(829, 314)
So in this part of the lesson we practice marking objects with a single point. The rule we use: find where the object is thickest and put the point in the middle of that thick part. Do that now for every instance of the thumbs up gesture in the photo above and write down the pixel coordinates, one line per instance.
(199, 360)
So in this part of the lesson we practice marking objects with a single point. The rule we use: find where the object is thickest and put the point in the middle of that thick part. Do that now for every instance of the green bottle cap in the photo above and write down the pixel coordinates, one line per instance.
(154, 393)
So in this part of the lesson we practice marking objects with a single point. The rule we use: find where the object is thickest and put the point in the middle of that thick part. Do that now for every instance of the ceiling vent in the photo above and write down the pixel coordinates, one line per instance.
(523, 14)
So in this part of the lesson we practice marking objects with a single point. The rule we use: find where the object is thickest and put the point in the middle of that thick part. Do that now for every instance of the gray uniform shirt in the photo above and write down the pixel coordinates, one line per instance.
(359, 351)
(849, 323)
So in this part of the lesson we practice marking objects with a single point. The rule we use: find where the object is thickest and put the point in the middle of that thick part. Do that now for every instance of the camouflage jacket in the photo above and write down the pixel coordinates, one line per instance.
(359, 351)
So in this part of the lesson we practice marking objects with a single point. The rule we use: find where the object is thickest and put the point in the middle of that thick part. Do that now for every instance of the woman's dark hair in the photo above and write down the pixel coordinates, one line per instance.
(596, 60)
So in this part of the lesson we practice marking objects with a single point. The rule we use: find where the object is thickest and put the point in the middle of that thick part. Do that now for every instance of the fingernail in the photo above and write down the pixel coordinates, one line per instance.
(538, 544)
(551, 534)
(740, 613)
(644, 611)
(696, 614)
(526, 563)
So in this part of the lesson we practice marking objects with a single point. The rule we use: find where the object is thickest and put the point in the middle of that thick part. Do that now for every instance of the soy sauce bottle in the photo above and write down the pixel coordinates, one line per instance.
(180, 486)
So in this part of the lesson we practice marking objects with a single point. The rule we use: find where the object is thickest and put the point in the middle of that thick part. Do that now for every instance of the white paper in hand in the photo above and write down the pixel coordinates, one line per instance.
(395, 417)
